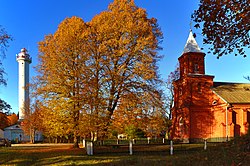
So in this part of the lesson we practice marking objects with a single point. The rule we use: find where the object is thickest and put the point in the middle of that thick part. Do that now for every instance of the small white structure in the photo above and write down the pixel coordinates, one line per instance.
(90, 148)
(24, 60)
(15, 133)
(171, 148)
(130, 147)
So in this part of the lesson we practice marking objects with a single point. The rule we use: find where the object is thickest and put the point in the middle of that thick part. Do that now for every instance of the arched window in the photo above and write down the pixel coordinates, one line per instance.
(248, 116)
(181, 126)
(199, 87)
(180, 91)
(196, 68)
(180, 121)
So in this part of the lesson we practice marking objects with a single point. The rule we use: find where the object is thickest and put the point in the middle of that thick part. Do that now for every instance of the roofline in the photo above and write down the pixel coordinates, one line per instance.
(240, 103)
(187, 53)
(227, 101)
(231, 82)
(192, 52)
(220, 96)
(196, 74)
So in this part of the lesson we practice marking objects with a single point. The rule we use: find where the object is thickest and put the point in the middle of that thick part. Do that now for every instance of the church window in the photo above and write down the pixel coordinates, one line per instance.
(234, 116)
(181, 126)
(199, 87)
(196, 68)
(181, 121)
(180, 91)
(214, 102)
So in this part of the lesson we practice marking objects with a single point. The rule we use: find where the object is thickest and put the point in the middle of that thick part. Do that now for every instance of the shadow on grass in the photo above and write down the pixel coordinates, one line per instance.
(186, 154)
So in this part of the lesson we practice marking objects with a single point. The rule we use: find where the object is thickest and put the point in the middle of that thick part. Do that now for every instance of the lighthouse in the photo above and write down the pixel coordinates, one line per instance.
(24, 60)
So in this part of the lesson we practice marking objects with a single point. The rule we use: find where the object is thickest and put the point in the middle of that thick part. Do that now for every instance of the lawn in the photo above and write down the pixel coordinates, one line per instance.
(158, 154)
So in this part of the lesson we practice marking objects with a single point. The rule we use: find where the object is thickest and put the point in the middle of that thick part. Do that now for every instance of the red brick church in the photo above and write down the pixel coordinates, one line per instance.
(204, 109)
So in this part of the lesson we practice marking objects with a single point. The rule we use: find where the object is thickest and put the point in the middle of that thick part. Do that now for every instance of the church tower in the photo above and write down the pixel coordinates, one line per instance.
(24, 60)
(191, 109)
(192, 59)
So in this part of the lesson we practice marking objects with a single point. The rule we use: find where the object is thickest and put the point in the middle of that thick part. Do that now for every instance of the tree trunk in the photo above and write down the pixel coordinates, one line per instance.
(76, 138)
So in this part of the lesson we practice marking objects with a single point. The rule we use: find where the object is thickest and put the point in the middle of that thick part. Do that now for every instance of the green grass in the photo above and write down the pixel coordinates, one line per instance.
(185, 154)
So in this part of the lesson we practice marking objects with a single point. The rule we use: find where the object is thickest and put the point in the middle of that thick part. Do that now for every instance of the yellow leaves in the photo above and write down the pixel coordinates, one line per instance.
(143, 111)
(87, 67)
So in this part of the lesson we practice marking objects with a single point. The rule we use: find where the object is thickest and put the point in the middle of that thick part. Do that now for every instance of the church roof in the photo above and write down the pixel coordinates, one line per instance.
(13, 127)
(191, 44)
(234, 93)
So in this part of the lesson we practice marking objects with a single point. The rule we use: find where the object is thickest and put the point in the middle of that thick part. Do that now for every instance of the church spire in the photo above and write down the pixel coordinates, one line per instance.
(191, 44)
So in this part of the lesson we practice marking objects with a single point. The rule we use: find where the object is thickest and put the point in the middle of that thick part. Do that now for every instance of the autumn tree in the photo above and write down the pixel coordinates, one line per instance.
(62, 69)
(32, 122)
(126, 55)
(4, 112)
(4, 106)
(13, 119)
(4, 120)
(158, 121)
(225, 25)
(4, 41)
(89, 67)
(131, 114)
(173, 76)
(4, 44)
(143, 112)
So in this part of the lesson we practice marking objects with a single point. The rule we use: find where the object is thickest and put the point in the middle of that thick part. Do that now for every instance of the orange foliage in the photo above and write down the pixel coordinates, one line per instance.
(86, 68)
(225, 25)
(12, 119)
(142, 112)
(4, 120)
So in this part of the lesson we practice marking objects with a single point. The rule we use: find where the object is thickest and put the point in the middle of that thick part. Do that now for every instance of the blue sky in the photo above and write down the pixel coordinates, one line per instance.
(28, 21)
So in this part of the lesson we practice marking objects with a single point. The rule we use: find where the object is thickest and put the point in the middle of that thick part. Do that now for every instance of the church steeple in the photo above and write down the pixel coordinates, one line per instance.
(191, 44)
(192, 59)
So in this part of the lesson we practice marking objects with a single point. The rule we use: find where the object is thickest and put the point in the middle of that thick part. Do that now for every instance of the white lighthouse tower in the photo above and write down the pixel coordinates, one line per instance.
(24, 60)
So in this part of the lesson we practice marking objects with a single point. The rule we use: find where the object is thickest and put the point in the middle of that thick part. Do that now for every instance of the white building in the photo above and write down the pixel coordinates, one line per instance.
(24, 60)
(15, 132)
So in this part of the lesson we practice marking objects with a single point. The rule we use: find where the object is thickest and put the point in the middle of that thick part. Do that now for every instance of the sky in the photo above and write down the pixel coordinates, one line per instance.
(28, 21)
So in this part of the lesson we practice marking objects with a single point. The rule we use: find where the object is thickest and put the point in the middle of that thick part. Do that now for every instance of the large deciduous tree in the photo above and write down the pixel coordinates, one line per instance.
(226, 25)
(89, 67)
(62, 68)
(127, 43)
